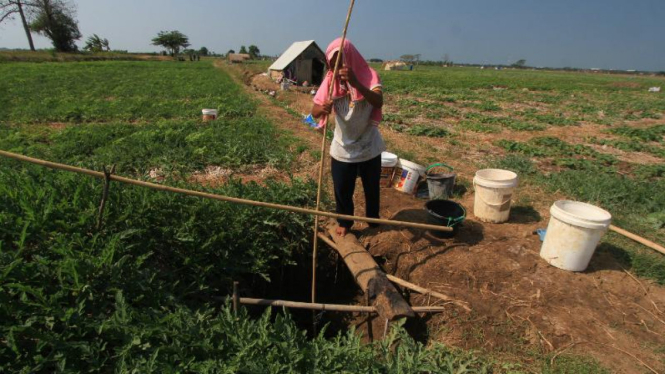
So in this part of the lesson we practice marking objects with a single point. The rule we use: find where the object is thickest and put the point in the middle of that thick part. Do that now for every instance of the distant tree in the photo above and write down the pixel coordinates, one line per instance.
(378, 60)
(96, 44)
(416, 57)
(254, 51)
(230, 52)
(243, 50)
(661, 73)
(172, 41)
(203, 51)
(56, 19)
(519, 63)
(10, 8)
(407, 58)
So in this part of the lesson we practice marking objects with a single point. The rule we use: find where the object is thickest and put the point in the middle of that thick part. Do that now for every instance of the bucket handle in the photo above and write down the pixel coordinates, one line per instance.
(494, 204)
(438, 164)
(457, 220)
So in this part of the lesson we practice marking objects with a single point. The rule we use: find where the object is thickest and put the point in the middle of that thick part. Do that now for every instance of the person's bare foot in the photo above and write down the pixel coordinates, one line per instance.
(341, 231)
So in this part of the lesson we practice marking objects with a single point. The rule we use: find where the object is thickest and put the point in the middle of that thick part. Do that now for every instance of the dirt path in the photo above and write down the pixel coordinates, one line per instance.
(523, 308)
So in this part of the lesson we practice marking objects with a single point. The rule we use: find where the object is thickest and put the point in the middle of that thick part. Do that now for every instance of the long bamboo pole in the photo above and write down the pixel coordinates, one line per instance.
(330, 307)
(323, 152)
(205, 195)
(639, 239)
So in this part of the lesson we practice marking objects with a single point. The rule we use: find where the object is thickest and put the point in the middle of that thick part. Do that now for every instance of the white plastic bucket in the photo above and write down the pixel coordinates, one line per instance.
(209, 114)
(573, 233)
(408, 179)
(493, 194)
(388, 163)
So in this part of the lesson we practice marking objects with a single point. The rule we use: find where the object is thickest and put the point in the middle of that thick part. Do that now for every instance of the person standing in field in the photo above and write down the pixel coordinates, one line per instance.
(356, 147)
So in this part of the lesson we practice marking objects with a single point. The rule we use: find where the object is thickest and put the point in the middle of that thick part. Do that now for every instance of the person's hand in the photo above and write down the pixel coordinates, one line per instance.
(326, 108)
(347, 75)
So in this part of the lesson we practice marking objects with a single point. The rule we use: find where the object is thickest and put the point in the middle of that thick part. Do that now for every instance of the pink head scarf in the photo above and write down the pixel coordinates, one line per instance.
(365, 75)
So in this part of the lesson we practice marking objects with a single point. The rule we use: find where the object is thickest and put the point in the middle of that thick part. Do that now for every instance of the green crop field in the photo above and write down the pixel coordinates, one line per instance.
(138, 115)
(143, 292)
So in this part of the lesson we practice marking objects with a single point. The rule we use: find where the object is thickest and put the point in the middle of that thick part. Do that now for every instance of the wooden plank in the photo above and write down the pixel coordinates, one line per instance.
(368, 275)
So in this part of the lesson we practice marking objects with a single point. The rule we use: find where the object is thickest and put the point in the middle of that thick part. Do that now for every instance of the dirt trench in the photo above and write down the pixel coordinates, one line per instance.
(522, 308)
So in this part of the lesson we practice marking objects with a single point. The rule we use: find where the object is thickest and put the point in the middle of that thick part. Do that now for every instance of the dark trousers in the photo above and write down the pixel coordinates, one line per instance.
(344, 176)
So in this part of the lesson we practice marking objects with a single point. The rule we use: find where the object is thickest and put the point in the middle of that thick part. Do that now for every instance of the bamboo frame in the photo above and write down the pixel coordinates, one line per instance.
(205, 195)
(330, 307)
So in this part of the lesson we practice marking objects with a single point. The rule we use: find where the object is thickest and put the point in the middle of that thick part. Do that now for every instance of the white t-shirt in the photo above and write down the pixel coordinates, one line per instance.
(356, 138)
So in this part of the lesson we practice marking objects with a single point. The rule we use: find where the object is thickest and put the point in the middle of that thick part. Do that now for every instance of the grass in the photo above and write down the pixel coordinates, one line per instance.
(429, 131)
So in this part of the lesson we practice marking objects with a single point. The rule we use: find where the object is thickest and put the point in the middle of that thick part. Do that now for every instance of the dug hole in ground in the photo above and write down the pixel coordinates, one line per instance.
(523, 309)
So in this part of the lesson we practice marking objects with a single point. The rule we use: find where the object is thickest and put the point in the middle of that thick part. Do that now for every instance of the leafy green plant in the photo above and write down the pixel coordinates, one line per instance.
(429, 131)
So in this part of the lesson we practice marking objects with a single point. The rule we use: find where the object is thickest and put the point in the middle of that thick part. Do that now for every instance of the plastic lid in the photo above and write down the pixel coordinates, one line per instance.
(388, 159)
(412, 165)
(209, 111)
(495, 178)
(581, 214)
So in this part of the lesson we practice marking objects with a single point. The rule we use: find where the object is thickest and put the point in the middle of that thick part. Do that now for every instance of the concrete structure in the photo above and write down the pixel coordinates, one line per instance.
(301, 62)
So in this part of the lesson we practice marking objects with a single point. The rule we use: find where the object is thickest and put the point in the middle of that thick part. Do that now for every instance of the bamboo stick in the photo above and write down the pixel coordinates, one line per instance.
(426, 291)
(205, 195)
(323, 153)
(330, 307)
(638, 239)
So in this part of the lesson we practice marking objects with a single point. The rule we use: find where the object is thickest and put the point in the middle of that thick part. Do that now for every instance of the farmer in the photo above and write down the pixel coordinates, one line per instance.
(357, 145)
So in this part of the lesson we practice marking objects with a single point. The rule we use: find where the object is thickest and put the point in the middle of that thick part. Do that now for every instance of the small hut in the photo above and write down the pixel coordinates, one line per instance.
(301, 62)
(395, 65)
(237, 58)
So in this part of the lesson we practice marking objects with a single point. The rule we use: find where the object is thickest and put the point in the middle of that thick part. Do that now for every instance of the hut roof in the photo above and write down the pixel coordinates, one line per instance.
(291, 54)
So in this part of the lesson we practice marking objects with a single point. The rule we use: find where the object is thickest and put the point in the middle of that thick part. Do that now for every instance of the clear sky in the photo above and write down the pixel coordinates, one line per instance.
(609, 34)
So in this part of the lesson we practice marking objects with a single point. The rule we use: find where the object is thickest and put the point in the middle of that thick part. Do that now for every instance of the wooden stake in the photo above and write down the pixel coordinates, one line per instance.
(205, 195)
(105, 195)
(370, 333)
(323, 155)
(236, 297)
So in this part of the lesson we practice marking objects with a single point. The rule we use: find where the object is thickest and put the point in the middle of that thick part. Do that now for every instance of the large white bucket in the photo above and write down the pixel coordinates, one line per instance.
(493, 194)
(411, 173)
(388, 163)
(573, 233)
